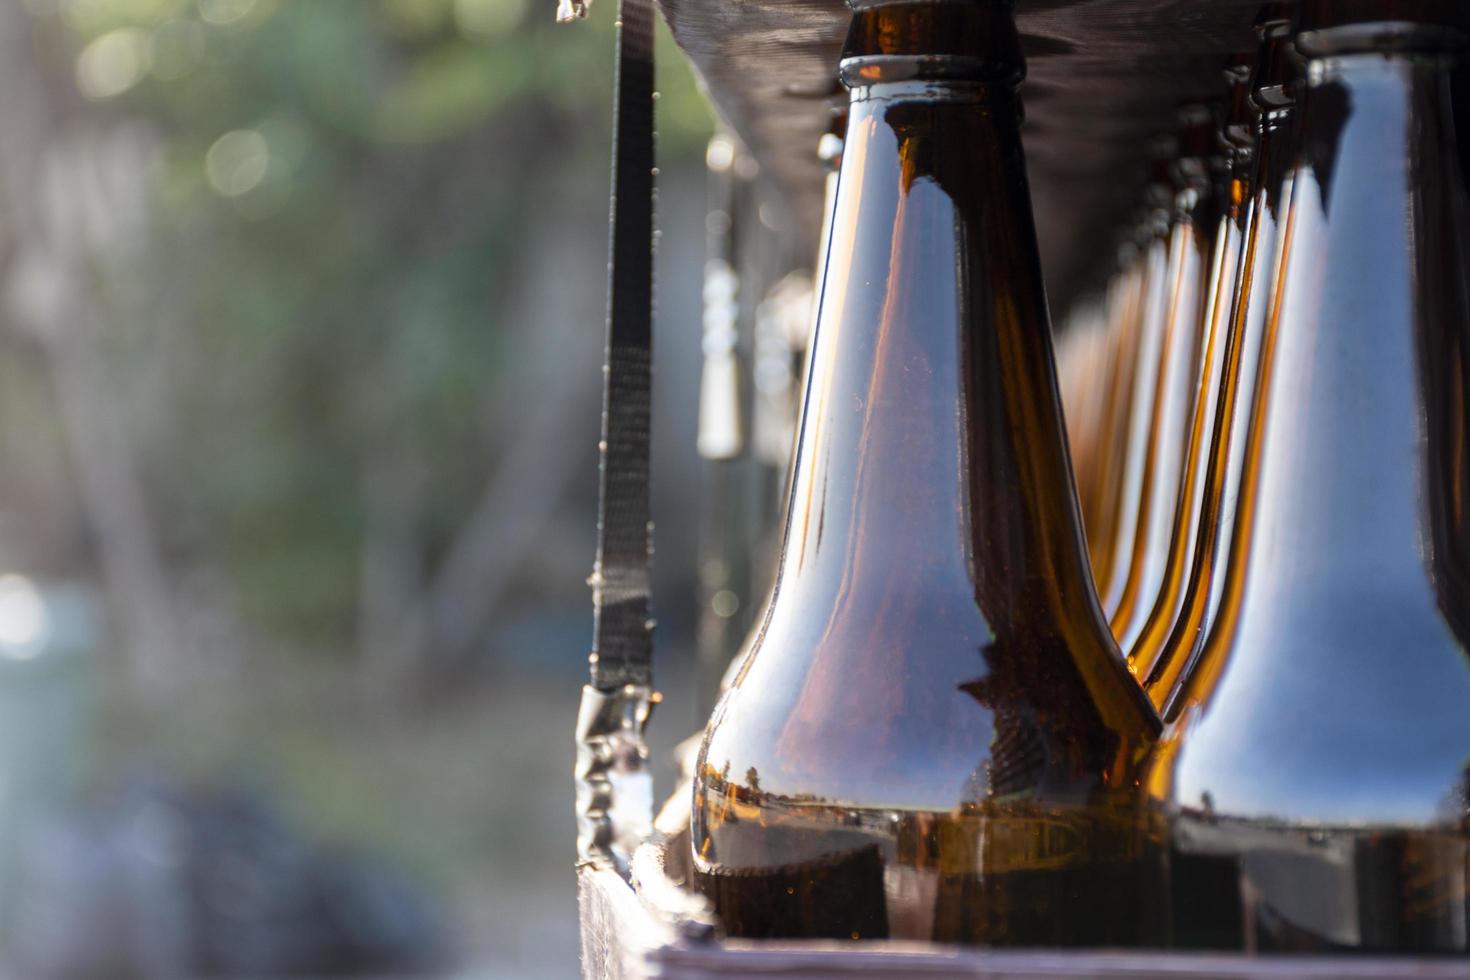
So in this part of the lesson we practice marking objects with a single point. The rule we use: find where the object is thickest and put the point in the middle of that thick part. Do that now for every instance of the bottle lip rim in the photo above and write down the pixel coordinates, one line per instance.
(929, 90)
(1381, 37)
(867, 70)
(871, 4)
(1271, 99)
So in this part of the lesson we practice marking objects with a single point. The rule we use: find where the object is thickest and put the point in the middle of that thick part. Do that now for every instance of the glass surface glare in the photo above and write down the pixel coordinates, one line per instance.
(1311, 793)
(1191, 244)
(933, 736)
(1144, 641)
(1255, 292)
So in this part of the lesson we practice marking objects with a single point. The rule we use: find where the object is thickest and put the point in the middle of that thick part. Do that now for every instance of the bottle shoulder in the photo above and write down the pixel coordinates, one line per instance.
(925, 707)
(1348, 711)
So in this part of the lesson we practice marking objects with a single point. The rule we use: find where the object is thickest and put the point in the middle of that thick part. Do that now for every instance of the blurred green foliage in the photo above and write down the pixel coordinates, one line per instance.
(341, 192)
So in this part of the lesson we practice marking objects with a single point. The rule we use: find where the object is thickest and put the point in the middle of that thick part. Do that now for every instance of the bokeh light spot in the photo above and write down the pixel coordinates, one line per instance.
(23, 621)
(112, 64)
(724, 603)
(237, 162)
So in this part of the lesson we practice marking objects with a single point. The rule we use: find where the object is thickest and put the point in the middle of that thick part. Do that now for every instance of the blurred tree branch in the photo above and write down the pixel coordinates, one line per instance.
(71, 187)
(272, 267)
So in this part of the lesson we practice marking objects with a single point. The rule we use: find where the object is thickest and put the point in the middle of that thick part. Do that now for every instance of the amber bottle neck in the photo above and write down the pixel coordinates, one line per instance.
(931, 433)
(1361, 431)
(973, 40)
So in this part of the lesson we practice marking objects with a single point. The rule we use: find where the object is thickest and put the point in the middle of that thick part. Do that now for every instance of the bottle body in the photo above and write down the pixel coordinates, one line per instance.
(1262, 260)
(1146, 644)
(932, 736)
(1312, 791)
(1112, 535)
(1192, 243)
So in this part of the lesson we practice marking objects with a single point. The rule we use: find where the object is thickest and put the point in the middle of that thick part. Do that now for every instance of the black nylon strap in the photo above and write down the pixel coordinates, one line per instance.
(622, 642)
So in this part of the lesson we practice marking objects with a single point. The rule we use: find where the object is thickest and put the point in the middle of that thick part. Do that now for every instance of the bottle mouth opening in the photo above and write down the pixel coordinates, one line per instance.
(1382, 37)
(1271, 100)
(1199, 125)
(1238, 131)
(1276, 69)
(860, 5)
(1238, 140)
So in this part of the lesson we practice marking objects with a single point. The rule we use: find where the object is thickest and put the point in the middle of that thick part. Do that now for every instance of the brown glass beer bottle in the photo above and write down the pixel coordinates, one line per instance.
(1094, 354)
(1191, 242)
(1261, 259)
(933, 735)
(1312, 792)
(1133, 375)
(1082, 355)
(1237, 138)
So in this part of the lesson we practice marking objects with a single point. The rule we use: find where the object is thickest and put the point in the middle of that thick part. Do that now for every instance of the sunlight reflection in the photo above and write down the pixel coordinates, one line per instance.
(24, 625)
(237, 162)
(112, 64)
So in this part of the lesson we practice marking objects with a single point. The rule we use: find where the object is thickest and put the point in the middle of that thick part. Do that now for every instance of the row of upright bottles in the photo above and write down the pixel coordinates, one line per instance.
(1174, 653)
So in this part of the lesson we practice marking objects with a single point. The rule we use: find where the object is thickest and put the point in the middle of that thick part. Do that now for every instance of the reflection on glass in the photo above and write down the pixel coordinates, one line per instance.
(1111, 534)
(1312, 791)
(1190, 246)
(1255, 292)
(933, 735)
(1146, 636)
